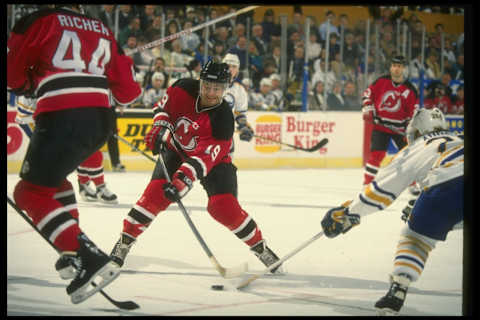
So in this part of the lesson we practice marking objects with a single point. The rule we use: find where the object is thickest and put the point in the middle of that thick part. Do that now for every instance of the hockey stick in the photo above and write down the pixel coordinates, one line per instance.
(127, 305)
(254, 277)
(158, 42)
(135, 148)
(224, 272)
(316, 147)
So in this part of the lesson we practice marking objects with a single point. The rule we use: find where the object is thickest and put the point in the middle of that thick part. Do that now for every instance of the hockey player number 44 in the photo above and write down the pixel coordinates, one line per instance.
(69, 40)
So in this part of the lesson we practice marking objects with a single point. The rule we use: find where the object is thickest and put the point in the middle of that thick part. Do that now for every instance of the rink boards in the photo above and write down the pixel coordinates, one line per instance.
(344, 130)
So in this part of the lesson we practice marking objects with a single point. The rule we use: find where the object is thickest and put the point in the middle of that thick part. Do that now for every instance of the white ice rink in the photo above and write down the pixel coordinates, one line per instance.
(168, 273)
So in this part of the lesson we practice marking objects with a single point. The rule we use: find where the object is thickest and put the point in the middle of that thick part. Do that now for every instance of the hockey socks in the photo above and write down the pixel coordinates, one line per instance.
(51, 218)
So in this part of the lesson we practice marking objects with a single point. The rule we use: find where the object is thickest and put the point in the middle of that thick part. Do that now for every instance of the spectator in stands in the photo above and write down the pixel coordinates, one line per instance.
(190, 41)
(438, 98)
(328, 78)
(257, 39)
(178, 58)
(143, 58)
(297, 24)
(191, 14)
(350, 96)
(125, 16)
(255, 63)
(458, 68)
(415, 65)
(221, 35)
(344, 23)
(351, 51)
(446, 80)
(238, 32)
(193, 69)
(218, 50)
(277, 92)
(147, 15)
(130, 45)
(458, 105)
(158, 66)
(433, 71)
(154, 31)
(107, 15)
(133, 29)
(295, 68)
(314, 48)
(330, 23)
(449, 50)
(335, 99)
(240, 49)
(293, 41)
(171, 28)
(275, 55)
(316, 97)
(436, 37)
(334, 46)
(258, 99)
(269, 26)
(156, 92)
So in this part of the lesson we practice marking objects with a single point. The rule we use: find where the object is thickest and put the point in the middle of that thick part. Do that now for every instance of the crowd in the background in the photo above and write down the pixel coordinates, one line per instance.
(337, 86)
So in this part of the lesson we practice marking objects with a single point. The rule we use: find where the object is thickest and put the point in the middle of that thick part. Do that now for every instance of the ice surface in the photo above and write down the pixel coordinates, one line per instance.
(168, 273)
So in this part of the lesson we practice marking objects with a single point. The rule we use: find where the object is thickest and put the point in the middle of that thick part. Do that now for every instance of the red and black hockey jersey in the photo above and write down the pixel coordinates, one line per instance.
(71, 60)
(205, 137)
(394, 103)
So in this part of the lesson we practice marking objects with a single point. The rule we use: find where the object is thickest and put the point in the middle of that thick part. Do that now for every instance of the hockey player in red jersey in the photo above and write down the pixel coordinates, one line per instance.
(389, 102)
(193, 128)
(91, 170)
(69, 62)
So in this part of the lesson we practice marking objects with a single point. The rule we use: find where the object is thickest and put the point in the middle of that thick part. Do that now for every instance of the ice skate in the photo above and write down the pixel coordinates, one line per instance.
(121, 249)
(105, 195)
(87, 193)
(92, 263)
(393, 301)
(118, 168)
(267, 256)
(67, 264)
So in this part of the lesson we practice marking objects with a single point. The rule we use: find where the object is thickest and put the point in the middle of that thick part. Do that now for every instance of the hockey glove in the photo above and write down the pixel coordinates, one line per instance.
(178, 188)
(368, 112)
(159, 136)
(339, 220)
(407, 211)
(246, 132)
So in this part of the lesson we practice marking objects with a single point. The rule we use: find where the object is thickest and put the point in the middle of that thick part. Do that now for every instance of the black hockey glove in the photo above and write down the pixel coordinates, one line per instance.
(246, 132)
(339, 220)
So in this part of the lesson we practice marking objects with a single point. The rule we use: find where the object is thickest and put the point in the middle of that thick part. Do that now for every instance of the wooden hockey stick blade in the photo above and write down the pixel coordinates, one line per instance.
(127, 305)
(229, 273)
(254, 277)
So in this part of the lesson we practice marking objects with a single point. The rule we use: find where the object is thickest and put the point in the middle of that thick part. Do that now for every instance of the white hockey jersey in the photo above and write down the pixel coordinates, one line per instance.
(237, 97)
(430, 160)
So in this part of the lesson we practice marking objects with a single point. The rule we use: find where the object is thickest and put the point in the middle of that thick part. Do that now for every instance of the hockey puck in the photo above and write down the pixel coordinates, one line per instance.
(217, 287)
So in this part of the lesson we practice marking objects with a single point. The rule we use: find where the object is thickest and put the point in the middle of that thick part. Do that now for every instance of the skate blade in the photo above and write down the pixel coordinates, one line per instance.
(108, 273)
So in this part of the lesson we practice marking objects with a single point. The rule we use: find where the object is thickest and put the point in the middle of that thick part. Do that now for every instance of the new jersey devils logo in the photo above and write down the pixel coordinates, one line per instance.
(391, 101)
(185, 133)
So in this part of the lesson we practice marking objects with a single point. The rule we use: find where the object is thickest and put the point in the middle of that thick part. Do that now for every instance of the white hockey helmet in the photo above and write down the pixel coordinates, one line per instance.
(231, 59)
(425, 121)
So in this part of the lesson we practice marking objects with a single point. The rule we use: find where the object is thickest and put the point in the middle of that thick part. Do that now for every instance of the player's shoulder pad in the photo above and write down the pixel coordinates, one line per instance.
(222, 122)
(22, 25)
(191, 86)
(410, 86)
(383, 77)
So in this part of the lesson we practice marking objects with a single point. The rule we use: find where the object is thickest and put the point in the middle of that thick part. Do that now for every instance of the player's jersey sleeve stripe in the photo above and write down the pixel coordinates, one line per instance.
(380, 190)
(365, 201)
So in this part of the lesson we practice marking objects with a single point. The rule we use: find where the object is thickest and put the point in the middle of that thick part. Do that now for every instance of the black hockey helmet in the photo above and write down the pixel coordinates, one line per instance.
(399, 59)
(215, 72)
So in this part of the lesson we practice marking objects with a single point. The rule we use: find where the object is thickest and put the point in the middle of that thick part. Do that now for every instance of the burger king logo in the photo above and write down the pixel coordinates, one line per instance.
(270, 127)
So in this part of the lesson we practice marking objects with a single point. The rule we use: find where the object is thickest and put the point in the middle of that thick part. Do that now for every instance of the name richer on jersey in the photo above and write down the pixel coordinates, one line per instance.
(83, 24)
